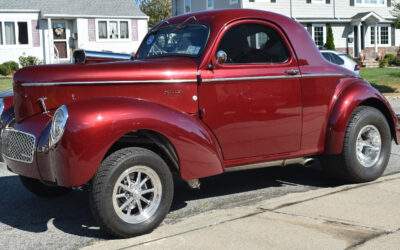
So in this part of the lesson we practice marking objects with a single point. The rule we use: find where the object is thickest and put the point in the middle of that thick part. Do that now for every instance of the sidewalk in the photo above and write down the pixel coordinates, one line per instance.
(363, 216)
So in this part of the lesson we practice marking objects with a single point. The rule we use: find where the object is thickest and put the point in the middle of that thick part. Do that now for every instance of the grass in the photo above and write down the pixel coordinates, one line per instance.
(386, 80)
(5, 83)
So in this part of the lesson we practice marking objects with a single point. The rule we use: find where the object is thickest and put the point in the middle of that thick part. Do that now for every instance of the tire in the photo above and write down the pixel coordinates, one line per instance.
(366, 148)
(117, 207)
(42, 190)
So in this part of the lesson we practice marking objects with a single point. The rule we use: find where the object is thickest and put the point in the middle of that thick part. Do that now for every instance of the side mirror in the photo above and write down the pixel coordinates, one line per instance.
(221, 57)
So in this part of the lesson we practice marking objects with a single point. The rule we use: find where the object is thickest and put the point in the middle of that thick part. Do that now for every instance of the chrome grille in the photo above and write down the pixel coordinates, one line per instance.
(17, 145)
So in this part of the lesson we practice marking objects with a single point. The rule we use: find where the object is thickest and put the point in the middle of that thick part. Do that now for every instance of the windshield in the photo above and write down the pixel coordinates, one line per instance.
(187, 41)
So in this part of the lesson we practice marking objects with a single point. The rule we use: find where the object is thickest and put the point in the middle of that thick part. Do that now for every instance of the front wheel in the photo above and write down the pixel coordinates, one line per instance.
(366, 147)
(131, 192)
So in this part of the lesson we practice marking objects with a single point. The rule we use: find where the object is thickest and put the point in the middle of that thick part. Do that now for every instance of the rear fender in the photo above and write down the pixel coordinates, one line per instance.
(94, 125)
(350, 98)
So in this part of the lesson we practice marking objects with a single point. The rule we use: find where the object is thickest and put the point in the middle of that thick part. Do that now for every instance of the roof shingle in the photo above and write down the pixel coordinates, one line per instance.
(81, 8)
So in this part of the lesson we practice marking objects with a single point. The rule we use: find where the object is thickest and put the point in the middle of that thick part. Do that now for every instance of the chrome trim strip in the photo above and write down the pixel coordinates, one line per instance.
(275, 77)
(279, 163)
(188, 80)
(256, 165)
(28, 84)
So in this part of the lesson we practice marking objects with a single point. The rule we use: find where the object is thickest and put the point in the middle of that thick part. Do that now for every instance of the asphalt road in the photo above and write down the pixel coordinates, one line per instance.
(29, 222)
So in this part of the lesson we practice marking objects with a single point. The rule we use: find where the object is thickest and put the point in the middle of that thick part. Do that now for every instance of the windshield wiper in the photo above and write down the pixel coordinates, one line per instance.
(185, 23)
(159, 26)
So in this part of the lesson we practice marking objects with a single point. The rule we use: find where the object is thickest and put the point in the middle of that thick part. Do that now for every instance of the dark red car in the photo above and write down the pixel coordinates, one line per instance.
(207, 93)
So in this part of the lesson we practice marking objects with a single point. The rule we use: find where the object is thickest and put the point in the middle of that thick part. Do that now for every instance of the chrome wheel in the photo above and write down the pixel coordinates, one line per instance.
(368, 146)
(137, 194)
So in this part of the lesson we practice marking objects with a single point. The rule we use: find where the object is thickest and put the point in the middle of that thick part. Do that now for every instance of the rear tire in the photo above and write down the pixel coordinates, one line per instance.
(131, 192)
(366, 148)
(42, 190)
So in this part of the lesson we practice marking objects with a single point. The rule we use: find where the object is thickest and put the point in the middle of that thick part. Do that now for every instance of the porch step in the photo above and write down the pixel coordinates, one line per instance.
(370, 64)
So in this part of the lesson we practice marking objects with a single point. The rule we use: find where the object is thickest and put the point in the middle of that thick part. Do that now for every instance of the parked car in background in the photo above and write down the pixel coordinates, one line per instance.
(207, 93)
(340, 58)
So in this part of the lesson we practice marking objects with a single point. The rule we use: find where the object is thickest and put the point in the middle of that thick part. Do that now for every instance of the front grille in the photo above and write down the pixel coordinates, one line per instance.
(17, 145)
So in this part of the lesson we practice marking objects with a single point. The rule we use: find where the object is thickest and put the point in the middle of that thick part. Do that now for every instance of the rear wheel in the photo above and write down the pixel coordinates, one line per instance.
(131, 192)
(42, 190)
(366, 147)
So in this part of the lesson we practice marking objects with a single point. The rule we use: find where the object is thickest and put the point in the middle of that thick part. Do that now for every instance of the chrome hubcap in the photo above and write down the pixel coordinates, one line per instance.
(137, 194)
(368, 146)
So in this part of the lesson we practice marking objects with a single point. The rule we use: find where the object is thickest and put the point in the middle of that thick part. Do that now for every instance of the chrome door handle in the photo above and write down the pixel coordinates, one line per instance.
(292, 72)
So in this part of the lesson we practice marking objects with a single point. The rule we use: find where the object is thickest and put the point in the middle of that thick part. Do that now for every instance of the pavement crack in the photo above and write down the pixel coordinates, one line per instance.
(194, 230)
(334, 192)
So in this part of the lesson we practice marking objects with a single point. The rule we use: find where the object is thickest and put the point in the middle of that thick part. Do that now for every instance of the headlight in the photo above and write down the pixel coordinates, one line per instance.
(58, 124)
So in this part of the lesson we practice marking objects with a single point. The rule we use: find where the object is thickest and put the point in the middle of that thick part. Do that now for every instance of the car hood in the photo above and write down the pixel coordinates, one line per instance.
(61, 84)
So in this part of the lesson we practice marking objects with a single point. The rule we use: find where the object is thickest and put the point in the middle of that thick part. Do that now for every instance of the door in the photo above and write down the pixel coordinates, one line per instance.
(60, 38)
(252, 102)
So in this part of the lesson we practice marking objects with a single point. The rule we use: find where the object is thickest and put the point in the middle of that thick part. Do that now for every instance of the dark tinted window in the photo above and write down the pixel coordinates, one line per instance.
(337, 60)
(327, 56)
(186, 41)
(254, 43)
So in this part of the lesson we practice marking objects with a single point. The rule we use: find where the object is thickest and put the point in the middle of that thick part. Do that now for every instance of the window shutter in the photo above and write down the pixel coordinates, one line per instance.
(328, 1)
(309, 28)
(134, 29)
(35, 33)
(308, 1)
(351, 2)
(393, 34)
(92, 29)
(389, 3)
(273, 1)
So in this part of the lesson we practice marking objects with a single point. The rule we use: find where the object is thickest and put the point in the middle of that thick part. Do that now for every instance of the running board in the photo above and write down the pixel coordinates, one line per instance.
(280, 163)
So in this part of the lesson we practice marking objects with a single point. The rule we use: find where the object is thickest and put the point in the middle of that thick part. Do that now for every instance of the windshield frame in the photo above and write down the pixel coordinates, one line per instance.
(177, 54)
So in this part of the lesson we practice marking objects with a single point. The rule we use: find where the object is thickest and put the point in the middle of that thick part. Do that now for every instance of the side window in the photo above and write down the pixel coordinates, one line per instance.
(253, 43)
(337, 59)
(327, 56)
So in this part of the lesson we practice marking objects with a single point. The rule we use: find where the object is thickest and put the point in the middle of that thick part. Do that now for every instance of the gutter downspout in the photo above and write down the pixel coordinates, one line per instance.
(291, 9)
(48, 38)
(334, 9)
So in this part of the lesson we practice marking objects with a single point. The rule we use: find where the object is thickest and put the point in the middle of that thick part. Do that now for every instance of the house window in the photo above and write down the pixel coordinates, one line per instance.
(14, 33)
(372, 35)
(22, 32)
(370, 2)
(319, 34)
(188, 6)
(233, 1)
(210, 4)
(113, 30)
(384, 35)
(318, 1)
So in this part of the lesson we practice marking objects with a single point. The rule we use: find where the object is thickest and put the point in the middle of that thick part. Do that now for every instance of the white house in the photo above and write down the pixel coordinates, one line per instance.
(355, 23)
(52, 29)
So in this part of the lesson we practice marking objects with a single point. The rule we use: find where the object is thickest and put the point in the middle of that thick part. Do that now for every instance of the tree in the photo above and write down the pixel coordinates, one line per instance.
(157, 10)
(329, 39)
(396, 13)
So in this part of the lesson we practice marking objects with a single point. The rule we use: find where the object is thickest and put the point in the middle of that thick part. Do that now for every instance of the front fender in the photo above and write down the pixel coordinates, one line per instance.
(94, 125)
(350, 97)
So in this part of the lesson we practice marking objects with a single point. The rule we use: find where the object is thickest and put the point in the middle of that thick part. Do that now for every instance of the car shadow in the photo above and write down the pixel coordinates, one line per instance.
(71, 213)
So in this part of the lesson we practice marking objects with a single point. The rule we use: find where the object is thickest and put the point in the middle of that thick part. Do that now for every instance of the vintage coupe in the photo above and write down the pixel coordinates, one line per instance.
(206, 93)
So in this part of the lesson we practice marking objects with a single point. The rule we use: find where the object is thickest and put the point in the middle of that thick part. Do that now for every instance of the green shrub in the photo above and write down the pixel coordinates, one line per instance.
(383, 63)
(390, 58)
(26, 61)
(13, 66)
(396, 61)
(330, 44)
(5, 70)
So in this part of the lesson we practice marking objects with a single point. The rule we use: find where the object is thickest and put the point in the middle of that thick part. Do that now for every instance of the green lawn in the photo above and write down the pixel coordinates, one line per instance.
(386, 80)
(5, 84)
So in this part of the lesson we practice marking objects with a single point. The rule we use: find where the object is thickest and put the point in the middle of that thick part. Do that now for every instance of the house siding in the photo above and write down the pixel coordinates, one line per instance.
(13, 52)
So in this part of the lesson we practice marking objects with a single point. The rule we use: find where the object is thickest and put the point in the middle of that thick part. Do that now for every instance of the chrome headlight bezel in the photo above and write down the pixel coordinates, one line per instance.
(58, 124)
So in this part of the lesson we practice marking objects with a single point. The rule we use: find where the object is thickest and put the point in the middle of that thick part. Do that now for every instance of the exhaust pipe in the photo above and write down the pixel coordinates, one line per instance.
(88, 56)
